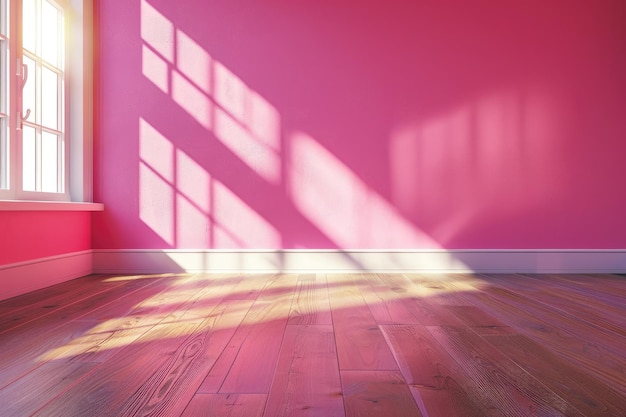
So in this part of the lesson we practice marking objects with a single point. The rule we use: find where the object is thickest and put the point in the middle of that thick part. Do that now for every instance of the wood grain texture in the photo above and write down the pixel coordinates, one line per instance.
(585, 393)
(607, 288)
(17, 311)
(512, 390)
(306, 382)
(439, 385)
(50, 380)
(569, 337)
(169, 389)
(377, 393)
(310, 303)
(593, 307)
(71, 303)
(110, 387)
(360, 343)
(386, 298)
(316, 344)
(257, 340)
(226, 405)
(181, 295)
(26, 347)
(480, 321)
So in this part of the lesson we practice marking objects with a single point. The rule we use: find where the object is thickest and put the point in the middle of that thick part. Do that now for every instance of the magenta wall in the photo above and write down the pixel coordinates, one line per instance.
(345, 124)
(29, 235)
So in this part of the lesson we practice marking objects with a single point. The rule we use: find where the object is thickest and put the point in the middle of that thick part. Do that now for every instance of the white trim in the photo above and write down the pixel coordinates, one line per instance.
(25, 205)
(22, 277)
(460, 261)
(79, 19)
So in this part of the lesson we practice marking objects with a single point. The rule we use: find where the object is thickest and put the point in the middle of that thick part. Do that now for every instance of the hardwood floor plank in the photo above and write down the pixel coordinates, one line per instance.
(307, 381)
(429, 313)
(360, 343)
(438, 384)
(513, 390)
(377, 393)
(386, 298)
(25, 348)
(60, 301)
(449, 401)
(429, 295)
(14, 311)
(586, 394)
(182, 296)
(110, 386)
(480, 321)
(172, 386)
(31, 392)
(603, 356)
(161, 370)
(310, 304)
(606, 287)
(568, 300)
(226, 405)
(251, 363)
(444, 289)
(250, 287)
(44, 295)
(257, 347)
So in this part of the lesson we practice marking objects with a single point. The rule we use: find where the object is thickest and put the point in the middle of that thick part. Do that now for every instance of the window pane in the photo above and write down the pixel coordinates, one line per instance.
(4, 70)
(49, 98)
(4, 155)
(3, 17)
(28, 96)
(29, 20)
(49, 162)
(28, 159)
(51, 39)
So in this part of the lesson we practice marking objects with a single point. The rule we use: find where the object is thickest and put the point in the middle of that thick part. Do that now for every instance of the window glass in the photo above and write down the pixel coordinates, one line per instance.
(49, 98)
(29, 26)
(50, 42)
(49, 162)
(29, 175)
(42, 92)
(4, 97)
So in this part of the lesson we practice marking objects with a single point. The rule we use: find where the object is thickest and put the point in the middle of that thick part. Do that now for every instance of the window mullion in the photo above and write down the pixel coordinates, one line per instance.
(15, 59)
(38, 178)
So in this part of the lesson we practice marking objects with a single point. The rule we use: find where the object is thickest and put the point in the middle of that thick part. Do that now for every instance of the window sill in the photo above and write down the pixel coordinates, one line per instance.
(22, 205)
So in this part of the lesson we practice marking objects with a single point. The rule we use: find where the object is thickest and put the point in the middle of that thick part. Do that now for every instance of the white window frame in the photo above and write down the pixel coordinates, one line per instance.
(78, 106)
(6, 98)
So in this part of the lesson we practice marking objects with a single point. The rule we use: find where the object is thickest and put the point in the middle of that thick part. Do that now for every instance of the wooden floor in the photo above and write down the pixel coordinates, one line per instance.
(318, 345)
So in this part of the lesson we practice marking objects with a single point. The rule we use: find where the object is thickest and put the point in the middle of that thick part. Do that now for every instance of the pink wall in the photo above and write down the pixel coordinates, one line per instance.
(345, 124)
(28, 235)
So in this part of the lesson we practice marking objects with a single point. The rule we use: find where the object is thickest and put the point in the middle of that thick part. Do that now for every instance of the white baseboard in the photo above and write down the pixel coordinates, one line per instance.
(482, 261)
(22, 277)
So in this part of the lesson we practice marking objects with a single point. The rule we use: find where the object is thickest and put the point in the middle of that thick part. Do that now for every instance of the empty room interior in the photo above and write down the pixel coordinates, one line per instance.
(312, 208)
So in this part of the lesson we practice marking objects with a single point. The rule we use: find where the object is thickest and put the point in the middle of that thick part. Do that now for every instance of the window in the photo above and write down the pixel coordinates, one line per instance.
(42, 95)
(35, 102)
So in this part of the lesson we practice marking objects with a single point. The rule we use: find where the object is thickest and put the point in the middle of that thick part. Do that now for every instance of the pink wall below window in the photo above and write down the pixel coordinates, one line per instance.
(30, 235)
(404, 124)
